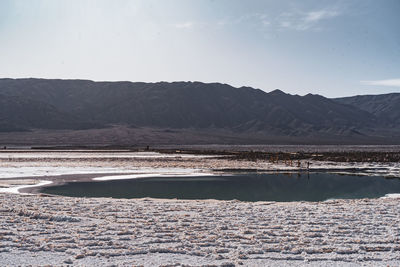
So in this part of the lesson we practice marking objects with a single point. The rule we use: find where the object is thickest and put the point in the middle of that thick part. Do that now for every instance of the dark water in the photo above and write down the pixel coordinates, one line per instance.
(245, 187)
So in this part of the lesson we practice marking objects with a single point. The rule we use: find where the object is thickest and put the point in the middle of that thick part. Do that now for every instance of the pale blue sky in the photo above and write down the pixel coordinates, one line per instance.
(332, 48)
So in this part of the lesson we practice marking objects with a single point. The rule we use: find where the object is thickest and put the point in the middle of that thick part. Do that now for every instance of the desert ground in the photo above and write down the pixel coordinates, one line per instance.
(38, 229)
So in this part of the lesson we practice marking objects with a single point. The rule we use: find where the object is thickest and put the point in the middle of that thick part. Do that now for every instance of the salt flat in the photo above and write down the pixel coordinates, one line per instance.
(17, 164)
(37, 230)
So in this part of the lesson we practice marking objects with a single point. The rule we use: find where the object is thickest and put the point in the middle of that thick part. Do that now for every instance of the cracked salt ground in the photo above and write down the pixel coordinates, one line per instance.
(38, 230)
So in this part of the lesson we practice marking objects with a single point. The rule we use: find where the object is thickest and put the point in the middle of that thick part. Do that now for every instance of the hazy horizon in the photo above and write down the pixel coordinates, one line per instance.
(331, 48)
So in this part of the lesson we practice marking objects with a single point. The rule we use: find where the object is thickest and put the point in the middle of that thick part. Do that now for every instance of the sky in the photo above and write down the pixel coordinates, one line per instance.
(331, 48)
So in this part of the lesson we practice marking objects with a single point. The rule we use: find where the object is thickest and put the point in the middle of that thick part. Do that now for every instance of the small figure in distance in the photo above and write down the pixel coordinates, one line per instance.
(147, 148)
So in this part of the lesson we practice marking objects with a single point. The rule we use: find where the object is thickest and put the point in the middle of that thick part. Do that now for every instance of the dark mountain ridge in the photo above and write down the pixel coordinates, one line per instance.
(385, 107)
(28, 104)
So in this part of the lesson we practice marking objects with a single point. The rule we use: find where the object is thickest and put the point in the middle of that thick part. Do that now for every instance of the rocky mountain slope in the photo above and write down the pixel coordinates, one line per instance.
(386, 107)
(31, 104)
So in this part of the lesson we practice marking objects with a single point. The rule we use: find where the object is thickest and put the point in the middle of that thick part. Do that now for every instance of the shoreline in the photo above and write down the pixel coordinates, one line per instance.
(50, 181)
(142, 174)
(99, 177)
(38, 229)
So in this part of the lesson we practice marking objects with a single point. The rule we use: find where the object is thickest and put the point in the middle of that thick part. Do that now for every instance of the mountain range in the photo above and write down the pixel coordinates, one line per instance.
(205, 112)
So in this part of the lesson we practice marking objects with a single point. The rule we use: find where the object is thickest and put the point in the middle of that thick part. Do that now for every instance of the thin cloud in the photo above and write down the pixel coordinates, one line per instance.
(257, 18)
(185, 25)
(302, 21)
(315, 16)
(389, 82)
(296, 20)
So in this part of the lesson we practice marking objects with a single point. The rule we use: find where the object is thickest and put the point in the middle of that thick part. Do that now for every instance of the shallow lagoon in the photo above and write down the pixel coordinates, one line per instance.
(245, 187)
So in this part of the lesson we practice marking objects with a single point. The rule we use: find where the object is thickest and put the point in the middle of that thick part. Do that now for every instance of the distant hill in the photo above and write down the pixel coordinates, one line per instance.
(19, 113)
(32, 104)
(385, 107)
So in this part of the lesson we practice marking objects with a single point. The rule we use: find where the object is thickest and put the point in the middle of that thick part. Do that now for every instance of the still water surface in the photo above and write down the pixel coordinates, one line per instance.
(245, 187)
